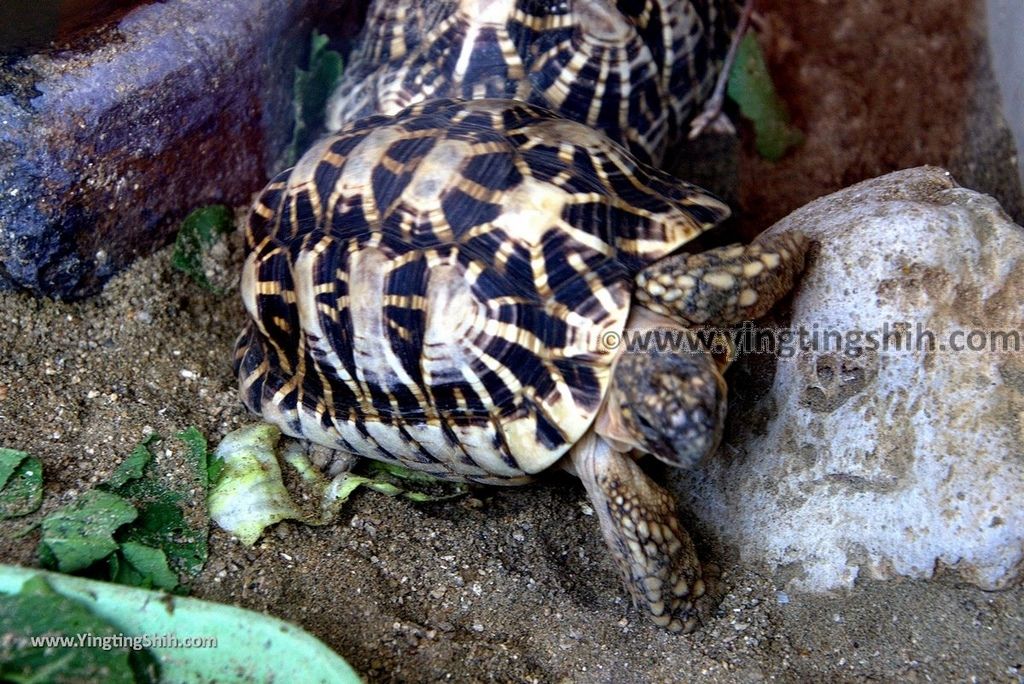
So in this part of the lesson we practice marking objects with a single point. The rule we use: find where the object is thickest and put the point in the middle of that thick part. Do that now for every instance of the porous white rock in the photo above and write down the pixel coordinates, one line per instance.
(886, 463)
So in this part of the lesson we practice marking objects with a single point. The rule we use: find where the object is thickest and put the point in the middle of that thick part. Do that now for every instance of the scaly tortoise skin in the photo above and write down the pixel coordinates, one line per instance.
(437, 288)
(634, 69)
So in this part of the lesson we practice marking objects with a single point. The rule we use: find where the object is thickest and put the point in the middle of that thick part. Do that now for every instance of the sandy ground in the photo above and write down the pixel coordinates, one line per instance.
(508, 584)
(515, 584)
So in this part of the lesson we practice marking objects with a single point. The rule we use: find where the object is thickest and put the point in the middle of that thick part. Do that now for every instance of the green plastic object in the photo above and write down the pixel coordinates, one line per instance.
(251, 647)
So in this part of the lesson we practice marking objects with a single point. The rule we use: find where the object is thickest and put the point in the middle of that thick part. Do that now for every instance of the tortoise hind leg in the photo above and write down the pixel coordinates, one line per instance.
(655, 555)
(726, 285)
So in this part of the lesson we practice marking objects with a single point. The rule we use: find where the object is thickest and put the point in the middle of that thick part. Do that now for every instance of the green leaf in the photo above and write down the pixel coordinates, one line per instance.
(9, 461)
(198, 232)
(162, 525)
(122, 572)
(397, 471)
(423, 497)
(138, 516)
(378, 486)
(46, 557)
(151, 566)
(751, 87)
(38, 611)
(313, 87)
(21, 483)
(388, 473)
(132, 467)
(81, 533)
(198, 454)
(214, 471)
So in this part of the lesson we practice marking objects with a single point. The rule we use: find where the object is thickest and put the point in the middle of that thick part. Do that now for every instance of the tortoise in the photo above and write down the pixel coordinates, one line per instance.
(634, 69)
(443, 289)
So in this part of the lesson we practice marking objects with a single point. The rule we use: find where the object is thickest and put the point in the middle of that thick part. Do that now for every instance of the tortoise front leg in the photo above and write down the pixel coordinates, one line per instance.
(655, 555)
(726, 285)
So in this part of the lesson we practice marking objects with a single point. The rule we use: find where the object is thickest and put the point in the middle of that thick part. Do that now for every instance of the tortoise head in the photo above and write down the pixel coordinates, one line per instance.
(669, 402)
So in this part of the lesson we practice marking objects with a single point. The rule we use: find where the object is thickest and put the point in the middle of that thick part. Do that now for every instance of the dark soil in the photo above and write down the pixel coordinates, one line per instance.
(878, 86)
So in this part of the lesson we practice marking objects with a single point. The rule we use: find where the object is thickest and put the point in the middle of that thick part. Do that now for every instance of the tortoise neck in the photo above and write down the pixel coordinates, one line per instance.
(641, 318)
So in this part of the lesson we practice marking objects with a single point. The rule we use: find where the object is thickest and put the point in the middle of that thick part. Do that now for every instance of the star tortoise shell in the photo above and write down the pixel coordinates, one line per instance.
(433, 288)
(634, 69)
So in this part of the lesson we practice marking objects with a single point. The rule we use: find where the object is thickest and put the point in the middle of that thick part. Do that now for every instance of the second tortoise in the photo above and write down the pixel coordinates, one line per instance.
(637, 70)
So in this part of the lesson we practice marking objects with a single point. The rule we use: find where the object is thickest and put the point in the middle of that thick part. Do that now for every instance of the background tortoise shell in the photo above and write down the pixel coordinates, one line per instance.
(433, 288)
(635, 69)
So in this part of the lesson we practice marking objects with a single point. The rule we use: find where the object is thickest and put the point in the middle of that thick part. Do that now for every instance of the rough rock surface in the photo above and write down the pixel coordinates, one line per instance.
(104, 146)
(884, 463)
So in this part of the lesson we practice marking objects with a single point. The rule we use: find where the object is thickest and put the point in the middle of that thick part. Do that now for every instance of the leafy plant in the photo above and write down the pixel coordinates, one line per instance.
(751, 87)
(312, 88)
(81, 533)
(199, 231)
